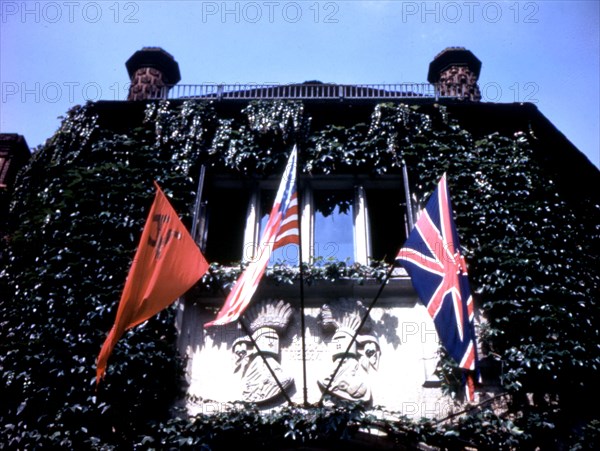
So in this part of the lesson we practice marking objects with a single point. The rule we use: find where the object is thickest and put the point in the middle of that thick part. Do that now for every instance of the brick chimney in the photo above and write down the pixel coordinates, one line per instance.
(152, 72)
(455, 71)
(14, 154)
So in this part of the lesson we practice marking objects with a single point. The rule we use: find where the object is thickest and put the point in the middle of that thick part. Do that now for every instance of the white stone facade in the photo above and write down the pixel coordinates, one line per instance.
(392, 367)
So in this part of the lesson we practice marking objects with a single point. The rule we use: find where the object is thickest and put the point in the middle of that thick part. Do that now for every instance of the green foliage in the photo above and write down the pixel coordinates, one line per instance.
(79, 209)
(250, 144)
(287, 427)
(78, 213)
(219, 276)
(395, 131)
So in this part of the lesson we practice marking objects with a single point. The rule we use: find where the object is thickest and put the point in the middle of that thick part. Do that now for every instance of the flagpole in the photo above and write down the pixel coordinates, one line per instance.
(362, 323)
(179, 304)
(198, 202)
(409, 209)
(301, 264)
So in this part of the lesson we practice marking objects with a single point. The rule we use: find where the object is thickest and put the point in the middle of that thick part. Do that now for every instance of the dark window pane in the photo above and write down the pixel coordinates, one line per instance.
(226, 213)
(387, 220)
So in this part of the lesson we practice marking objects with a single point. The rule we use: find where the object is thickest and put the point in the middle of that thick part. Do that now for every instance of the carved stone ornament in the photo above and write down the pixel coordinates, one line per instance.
(351, 382)
(267, 320)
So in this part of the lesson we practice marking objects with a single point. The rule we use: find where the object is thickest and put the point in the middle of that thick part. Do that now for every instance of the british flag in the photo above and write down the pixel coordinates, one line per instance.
(433, 258)
(281, 229)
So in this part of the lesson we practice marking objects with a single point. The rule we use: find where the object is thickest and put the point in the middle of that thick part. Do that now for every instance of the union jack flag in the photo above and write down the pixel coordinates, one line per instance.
(281, 229)
(433, 258)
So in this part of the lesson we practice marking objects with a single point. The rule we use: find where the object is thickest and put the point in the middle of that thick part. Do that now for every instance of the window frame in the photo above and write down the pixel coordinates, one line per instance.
(361, 221)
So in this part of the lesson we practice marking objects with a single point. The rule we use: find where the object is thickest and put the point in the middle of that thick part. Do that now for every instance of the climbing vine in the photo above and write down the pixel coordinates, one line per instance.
(79, 208)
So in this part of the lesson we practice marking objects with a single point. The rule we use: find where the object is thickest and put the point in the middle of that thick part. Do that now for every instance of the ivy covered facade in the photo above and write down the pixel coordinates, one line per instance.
(527, 214)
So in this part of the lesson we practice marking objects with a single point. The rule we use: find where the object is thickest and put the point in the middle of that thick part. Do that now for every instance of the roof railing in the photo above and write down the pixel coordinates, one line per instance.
(303, 91)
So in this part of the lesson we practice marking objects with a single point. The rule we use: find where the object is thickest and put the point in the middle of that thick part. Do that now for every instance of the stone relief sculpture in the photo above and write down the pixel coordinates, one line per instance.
(362, 359)
(266, 320)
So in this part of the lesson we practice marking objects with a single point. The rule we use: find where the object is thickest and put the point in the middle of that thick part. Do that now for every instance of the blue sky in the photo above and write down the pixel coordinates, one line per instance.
(58, 54)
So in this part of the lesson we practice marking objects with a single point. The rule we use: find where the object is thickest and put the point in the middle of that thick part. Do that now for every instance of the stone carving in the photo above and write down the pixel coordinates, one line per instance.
(267, 320)
(362, 359)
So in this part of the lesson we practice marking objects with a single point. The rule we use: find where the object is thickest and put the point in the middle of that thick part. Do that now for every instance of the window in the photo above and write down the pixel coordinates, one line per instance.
(333, 225)
(387, 222)
(345, 218)
(224, 214)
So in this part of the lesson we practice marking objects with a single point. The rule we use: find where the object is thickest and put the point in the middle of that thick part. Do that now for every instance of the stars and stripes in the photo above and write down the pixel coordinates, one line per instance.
(289, 230)
(433, 259)
(281, 229)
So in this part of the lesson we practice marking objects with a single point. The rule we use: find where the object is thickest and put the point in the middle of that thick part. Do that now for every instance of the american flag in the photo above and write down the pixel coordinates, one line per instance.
(433, 258)
(281, 229)
(288, 231)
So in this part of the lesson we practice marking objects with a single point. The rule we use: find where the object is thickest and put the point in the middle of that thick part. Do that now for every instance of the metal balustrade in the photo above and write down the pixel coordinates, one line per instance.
(304, 91)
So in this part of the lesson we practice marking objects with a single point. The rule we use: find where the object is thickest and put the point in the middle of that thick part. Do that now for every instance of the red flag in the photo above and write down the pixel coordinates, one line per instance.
(281, 229)
(167, 263)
